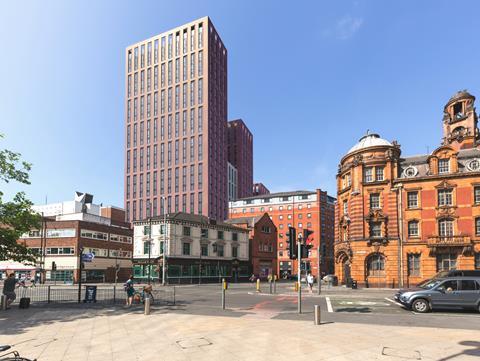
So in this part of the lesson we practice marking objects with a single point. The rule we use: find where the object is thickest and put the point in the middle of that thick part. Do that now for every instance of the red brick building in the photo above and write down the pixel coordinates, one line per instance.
(400, 220)
(70, 226)
(240, 155)
(302, 210)
(262, 243)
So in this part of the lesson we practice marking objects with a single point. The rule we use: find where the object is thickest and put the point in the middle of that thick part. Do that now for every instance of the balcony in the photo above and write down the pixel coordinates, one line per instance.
(449, 241)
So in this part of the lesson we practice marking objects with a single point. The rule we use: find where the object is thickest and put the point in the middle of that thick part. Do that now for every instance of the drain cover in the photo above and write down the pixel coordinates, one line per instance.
(403, 354)
(193, 342)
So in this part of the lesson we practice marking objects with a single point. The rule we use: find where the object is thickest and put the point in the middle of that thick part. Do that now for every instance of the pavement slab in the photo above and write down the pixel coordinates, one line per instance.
(119, 334)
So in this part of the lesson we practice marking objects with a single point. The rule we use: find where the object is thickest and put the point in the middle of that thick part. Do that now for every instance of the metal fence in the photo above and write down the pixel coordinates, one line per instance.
(104, 294)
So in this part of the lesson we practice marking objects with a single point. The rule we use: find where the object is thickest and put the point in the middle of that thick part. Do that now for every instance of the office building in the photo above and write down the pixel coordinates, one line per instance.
(175, 123)
(312, 210)
(240, 155)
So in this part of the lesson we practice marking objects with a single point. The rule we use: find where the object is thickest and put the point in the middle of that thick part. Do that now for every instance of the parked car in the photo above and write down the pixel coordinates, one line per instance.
(458, 273)
(445, 292)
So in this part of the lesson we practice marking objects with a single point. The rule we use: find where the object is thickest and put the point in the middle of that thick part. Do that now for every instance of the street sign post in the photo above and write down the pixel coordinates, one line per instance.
(88, 257)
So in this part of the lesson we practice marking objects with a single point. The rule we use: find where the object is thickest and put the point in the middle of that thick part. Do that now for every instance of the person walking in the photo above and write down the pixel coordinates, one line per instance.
(310, 281)
(130, 290)
(9, 289)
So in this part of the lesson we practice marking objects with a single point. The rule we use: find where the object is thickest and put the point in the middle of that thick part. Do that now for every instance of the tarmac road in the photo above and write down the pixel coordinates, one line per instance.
(337, 304)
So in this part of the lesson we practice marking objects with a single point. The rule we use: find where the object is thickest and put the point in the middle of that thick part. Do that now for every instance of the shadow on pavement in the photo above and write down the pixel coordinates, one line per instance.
(16, 321)
(469, 352)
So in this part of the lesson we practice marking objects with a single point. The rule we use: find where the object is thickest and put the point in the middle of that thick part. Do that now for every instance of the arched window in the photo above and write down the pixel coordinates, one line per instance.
(445, 227)
(376, 265)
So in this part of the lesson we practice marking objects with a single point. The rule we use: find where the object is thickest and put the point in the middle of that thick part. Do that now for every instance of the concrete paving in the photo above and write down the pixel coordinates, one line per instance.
(90, 333)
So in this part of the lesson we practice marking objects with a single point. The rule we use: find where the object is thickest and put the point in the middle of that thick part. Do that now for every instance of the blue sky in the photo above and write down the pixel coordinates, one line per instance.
(308, 77)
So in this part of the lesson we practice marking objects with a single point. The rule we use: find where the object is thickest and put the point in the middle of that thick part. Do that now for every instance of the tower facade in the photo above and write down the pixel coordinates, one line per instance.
(175, 123)
(240, 155)
(460, 122)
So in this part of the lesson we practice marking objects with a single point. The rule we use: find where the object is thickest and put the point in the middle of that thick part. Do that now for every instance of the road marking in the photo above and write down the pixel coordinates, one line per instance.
(329, 304)
(392, 301)
(363, 303)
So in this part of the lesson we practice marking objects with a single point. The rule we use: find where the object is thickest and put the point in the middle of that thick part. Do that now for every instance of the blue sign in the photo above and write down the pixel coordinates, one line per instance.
(88, 257)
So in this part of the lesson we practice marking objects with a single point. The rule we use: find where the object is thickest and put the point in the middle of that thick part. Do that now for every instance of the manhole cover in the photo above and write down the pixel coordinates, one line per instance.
(194, 342)
(403, 354)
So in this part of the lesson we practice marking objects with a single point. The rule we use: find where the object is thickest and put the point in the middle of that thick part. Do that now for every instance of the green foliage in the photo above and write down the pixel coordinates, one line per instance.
(16, 216)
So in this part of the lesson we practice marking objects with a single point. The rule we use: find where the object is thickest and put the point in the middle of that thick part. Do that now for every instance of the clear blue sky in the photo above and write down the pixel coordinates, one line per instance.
(308, 77)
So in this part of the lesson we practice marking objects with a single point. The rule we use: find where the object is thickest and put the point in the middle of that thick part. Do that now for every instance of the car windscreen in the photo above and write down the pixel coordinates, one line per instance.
(429, 284)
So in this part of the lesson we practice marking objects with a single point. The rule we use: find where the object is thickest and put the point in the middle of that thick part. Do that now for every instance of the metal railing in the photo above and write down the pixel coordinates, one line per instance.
(104, 294)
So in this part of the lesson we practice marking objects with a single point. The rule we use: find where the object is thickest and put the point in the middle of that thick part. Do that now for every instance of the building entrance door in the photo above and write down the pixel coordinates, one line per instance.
(346, 271)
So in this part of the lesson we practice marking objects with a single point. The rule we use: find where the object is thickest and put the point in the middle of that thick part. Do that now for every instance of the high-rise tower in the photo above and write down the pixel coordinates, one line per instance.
(175, 123)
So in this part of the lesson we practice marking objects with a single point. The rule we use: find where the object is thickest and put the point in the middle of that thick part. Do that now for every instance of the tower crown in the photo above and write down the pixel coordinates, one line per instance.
(460, 121)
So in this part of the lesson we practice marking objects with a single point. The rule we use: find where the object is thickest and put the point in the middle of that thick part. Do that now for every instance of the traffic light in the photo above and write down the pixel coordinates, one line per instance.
(307, 242)
(292, 243)
(54, 266)
(306, 234)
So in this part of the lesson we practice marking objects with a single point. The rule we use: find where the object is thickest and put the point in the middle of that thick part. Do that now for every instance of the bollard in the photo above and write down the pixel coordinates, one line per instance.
(270, 286)
(317, 321)
(174, 295)
(258, 285)
(296, 286)
(4, 302)
(48, 294)
(224, 287)
(147, 305)
(275, 284)
(114, 294)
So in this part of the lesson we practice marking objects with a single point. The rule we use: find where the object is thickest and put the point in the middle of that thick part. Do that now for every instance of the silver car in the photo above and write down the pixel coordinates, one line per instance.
(451, 292)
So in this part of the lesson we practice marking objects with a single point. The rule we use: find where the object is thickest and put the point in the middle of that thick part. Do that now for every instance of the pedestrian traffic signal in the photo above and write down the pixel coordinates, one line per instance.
(307, 243)
(292, 243)
(306, 235)
(54, 266)
(306, 250)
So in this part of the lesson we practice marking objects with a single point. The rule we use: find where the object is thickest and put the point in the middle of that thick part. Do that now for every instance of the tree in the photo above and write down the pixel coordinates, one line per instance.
(16, 216)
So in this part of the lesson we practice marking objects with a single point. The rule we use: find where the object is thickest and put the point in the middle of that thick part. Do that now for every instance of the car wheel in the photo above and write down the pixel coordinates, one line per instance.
(421, 305)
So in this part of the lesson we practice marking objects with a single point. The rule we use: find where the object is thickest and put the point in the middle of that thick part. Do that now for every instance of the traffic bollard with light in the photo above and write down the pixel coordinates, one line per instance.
(275, 284)
(224, 288)
(270, 286)
(258, 285)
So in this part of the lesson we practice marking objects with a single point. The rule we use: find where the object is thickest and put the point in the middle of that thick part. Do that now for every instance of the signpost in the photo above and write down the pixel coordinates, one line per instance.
(88, 257)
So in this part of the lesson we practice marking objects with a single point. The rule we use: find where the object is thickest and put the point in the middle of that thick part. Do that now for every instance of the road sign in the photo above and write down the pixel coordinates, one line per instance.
(88, 257)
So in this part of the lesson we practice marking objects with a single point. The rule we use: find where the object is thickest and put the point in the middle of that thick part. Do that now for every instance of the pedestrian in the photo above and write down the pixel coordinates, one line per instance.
(310, 281)
(9, 289)
(130, 290)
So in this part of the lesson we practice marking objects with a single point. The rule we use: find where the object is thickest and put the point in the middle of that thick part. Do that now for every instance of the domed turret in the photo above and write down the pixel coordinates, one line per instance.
(368, 141)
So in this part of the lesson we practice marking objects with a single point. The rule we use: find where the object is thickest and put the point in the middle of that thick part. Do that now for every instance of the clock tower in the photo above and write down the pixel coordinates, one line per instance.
(460, 122)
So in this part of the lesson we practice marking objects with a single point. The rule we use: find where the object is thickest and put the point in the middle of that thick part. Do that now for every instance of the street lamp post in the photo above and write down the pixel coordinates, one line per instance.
(164, 255)
(299, 270)
(149, 248)
(116, 266)
(80, 275)
(200, 266)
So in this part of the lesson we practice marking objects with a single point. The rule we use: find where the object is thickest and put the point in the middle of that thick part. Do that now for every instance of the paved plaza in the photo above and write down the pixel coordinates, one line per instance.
(356, 325)
(99, 333)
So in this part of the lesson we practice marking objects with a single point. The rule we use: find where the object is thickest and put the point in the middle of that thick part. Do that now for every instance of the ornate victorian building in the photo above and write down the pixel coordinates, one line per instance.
(400, 220)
